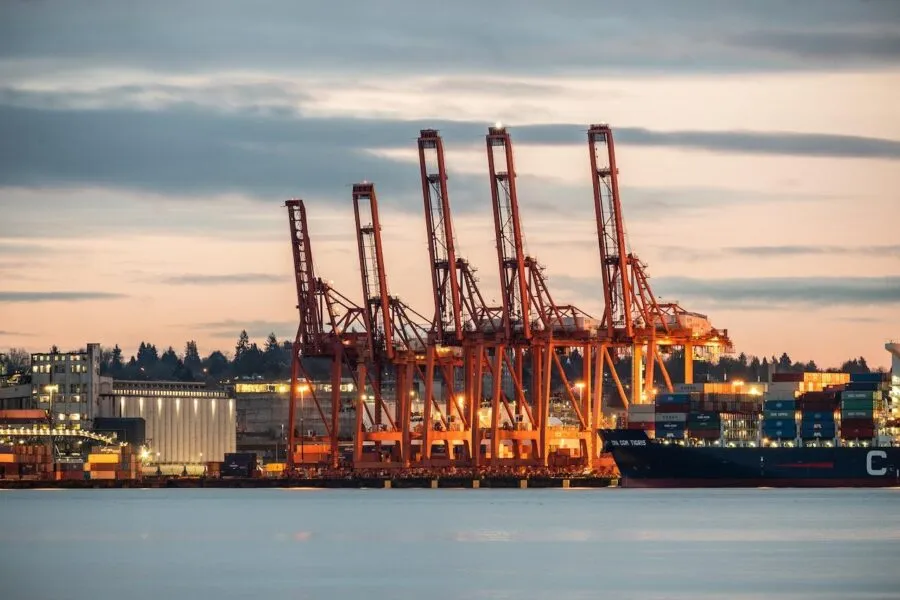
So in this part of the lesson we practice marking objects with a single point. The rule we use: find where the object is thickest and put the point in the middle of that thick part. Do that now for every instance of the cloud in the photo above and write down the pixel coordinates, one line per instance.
(693, 254)
(17, 333)
(223, 279)
(8, 297)
(755, 293)
(257, 330)
(190, 151)
(779, 291)
(509, 36)
(8, 248)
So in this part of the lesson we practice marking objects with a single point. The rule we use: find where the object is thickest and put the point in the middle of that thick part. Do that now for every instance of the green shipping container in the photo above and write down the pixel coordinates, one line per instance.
(778, 414)
(857, 414)
(857, 404)
(693, 426)
(860, 395)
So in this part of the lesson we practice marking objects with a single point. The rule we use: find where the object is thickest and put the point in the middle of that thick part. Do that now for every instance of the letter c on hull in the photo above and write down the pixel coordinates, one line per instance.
(869, 466)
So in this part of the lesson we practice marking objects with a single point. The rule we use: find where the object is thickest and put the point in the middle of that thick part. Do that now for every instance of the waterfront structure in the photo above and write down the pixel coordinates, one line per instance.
(67, 385)
(186, 422)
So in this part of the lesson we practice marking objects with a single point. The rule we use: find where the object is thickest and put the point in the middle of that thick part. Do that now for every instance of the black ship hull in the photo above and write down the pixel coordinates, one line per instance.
(645, 463)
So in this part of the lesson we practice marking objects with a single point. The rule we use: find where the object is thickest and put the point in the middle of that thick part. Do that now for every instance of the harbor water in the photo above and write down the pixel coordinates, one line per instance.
(294, 544)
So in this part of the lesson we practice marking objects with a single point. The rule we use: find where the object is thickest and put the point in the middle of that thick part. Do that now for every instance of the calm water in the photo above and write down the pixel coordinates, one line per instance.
(436, 544)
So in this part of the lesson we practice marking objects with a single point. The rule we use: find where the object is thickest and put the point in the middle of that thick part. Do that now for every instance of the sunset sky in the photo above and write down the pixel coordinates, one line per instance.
(146, 150)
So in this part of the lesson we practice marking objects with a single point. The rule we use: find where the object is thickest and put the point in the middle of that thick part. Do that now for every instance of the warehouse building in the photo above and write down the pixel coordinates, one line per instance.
(186, 422)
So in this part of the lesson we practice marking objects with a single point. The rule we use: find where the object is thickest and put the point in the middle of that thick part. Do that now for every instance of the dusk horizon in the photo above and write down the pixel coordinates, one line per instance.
(142, 185)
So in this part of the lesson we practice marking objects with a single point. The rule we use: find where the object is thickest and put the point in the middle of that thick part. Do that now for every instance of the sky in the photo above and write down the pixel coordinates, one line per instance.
(147, 149)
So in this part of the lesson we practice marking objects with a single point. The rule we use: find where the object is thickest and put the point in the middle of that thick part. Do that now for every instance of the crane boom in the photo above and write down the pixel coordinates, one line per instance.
(448, 307)
(508, 233)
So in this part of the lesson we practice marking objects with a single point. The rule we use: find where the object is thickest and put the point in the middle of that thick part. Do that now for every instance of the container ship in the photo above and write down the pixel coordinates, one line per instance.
(843, 434)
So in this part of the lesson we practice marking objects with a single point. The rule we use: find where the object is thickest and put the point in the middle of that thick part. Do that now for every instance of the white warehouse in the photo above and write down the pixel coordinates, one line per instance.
(186, 423)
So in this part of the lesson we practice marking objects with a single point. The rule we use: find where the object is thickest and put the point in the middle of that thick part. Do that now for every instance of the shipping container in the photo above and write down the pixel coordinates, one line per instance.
(870, 377)
(642, 418)
(827, 429)
(787, 377)
(858, 433)
(779, 423)
(851, 395)
(817, 416)
(105, 458)
(673, 408)
(818, 434)
(861, 405)
(818, 405)
(780, 405)
(672, 398)
(851, 423)
(778, 414)
(857, 414)
(669, 426)
(783, 434)
(673, 417)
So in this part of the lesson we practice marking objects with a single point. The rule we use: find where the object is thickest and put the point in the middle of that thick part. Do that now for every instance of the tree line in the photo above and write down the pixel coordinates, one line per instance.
(273, 361)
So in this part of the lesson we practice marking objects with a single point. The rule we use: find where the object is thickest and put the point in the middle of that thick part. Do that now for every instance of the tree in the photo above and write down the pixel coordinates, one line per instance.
(243, 344)
(147, 356)
(16, 361)
(192, 357)
(784, 363)
(216, 364)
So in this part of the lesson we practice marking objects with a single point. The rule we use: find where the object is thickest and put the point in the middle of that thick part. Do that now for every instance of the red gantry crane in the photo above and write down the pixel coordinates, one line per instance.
(532, 322)
(632, 316)
(395, 348)
(331, 327)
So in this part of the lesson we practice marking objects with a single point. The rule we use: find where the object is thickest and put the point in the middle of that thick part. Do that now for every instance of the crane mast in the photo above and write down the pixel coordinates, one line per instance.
(379, 325)
(448, 307)
(508, 231)
(617, 294)
(337, 340)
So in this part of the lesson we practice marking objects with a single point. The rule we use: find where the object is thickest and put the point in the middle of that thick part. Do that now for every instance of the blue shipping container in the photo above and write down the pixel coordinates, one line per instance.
(870, 377)
(670, 425)
(779, 423)
(780, 405)
(781, 434)
(669, 398)
(776, 425)
(864, 386)
(778, 414)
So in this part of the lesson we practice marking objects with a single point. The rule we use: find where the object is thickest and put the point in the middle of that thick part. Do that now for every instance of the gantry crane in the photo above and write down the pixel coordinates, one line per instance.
(396, 343)
(462, 321)
(532, 322)
(331, 327)
(632, 316)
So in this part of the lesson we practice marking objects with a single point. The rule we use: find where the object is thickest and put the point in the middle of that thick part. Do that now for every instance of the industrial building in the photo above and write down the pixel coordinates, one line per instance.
(65, 384)
(186, 422)
(262, 414)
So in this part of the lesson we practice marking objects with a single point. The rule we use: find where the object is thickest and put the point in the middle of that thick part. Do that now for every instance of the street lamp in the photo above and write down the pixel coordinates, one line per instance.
(51, 388)
(302, 388)
(579, 385)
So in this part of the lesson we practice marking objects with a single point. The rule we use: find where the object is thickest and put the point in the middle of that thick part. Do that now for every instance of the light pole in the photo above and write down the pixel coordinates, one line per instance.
(51, 388)
(302, 388)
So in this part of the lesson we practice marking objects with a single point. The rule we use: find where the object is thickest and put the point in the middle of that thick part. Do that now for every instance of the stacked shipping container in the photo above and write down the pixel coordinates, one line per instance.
(817, 415)
(671, 415)
(26, 461)
(779, 419)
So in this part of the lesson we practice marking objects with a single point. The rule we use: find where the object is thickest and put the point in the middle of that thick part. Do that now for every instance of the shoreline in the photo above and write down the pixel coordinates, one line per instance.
(494, 482)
